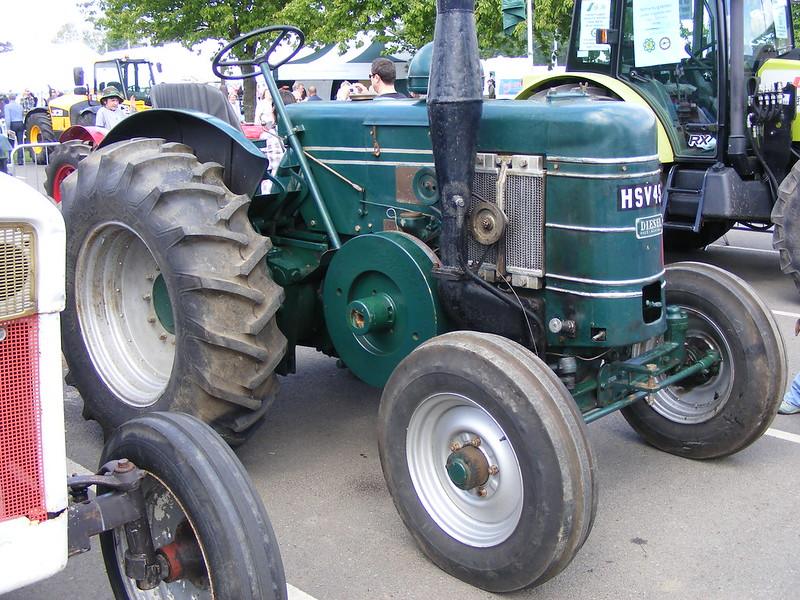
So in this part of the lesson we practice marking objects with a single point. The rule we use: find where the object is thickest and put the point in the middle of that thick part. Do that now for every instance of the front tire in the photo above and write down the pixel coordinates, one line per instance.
(63, 162)
(203, 512)
(511, 509)
(169, 303)
(731, 407)
(786, 218)
(39, 128)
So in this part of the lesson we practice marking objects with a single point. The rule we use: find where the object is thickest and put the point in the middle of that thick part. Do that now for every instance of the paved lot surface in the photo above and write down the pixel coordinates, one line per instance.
(666, 527)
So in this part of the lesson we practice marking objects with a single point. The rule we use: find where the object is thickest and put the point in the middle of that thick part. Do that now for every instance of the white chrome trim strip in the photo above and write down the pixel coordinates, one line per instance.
(376, 163)
(611, 295)
(591, 229)
(555, 173)
(602, 161)
(609, 281)
(366, 150)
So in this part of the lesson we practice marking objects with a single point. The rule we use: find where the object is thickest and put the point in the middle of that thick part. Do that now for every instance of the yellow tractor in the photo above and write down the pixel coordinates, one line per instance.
(134, 77)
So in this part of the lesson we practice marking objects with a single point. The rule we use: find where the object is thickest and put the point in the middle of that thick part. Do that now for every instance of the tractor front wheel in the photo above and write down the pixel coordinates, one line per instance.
(64, 161)
(39, 129)
(207, 523)
(786, 218)
(728, 407)
(170, 305)
(486, 458)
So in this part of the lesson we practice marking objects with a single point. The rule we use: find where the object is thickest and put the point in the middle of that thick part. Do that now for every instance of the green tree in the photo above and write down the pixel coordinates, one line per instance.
(188, 22)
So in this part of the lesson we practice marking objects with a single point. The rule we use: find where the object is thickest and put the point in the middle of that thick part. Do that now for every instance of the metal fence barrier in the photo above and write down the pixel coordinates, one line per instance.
(32, 173)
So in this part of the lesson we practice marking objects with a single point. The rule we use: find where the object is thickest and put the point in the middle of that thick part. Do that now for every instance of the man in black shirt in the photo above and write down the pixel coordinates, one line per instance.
(382, 75)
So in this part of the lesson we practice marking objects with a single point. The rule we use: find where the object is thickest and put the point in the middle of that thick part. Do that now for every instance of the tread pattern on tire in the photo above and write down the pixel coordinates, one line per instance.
(786, 234)
(223, 297)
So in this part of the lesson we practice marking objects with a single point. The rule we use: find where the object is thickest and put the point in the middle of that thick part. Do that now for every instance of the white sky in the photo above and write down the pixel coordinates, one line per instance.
(40, 19)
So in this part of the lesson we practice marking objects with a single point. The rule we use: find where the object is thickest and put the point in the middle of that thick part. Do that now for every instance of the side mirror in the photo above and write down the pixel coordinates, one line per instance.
(77, 76)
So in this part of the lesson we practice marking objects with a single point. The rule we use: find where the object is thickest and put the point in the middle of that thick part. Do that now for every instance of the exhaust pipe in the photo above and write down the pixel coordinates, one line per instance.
(455, 102)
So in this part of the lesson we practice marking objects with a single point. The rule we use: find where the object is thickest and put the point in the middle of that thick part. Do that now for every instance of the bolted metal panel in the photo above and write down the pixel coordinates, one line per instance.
(516, 185)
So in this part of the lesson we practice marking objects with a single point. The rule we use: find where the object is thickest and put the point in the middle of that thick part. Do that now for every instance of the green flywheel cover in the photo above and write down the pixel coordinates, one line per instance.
(380, 265)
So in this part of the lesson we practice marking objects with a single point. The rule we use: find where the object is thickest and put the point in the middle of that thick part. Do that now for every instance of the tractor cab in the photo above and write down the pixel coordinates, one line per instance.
(134, 77)
(675, 55)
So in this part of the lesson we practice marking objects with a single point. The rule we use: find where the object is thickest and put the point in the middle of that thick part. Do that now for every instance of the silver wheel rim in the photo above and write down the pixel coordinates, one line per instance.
(164, 514)
(130, 349)
(701, 402)
(472, 519)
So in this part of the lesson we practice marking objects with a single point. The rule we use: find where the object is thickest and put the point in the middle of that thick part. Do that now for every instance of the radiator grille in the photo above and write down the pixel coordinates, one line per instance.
(21, 477)
(522, 200)
(16, 271)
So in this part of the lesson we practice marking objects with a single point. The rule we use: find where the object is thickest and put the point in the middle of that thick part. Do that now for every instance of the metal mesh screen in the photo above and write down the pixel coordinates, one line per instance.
(21, 477)
(524, 206)
(16, 271)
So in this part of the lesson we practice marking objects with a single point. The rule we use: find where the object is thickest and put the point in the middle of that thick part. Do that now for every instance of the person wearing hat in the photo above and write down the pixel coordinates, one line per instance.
(112, 111)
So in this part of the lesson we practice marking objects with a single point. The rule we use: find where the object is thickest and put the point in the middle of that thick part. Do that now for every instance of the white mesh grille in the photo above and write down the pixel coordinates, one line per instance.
(16, 271)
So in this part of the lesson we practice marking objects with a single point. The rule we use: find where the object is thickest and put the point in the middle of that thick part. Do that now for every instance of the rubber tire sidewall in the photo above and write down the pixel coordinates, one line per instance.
(531, 434)
(759, 368)
(210, 483)
(69, 153)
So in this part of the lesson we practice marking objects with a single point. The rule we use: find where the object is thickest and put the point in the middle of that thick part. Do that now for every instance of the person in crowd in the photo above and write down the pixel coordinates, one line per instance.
(15, 121)
(263, 114)
(5, 152)
(312, 94)
(299, 91)
(112, 111)
(343, 92)
(382, 76)
(233, 99)
(791, 401)
(28, 102)
(274, 148)
(491, 86)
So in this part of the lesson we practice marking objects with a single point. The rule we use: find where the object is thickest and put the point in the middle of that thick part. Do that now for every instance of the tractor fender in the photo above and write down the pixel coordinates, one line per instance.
(535, 83)
(211, 139)
(85, 133)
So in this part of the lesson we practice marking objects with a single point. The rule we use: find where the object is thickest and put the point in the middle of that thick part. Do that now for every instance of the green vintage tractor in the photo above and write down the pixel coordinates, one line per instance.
(495, 266)
(720, 77)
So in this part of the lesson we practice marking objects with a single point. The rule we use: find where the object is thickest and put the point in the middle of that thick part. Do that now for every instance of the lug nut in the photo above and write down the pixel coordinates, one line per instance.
(123, 466)
(163, 337)
(146, 297)
(455, 447)
(151, 319)
(494, 470)
(482, 492)
(476, 441)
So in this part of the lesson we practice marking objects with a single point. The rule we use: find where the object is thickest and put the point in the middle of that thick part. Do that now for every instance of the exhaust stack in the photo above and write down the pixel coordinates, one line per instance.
(455, 103)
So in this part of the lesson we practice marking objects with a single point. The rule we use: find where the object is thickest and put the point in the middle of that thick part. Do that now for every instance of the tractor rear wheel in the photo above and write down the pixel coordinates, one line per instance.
(169, 303)
(486, 458)
(786, 218)
(731, 405)
(39, 128)
(207, 522)
(64, 161)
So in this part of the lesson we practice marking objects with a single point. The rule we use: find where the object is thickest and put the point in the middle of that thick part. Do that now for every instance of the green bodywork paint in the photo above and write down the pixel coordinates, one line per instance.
(162, 305)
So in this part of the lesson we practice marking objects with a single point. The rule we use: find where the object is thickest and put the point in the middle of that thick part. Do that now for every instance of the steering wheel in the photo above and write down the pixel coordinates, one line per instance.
(696, 57)
(284, 33)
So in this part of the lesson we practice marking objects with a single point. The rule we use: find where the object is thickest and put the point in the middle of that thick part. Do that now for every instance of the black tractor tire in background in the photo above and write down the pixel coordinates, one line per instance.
(64, 161)
(786, 218)
(39, 128)
(86, 118)
(678, 240)
(500, 405)
(146, 221)
(730, 407)
(199, 499)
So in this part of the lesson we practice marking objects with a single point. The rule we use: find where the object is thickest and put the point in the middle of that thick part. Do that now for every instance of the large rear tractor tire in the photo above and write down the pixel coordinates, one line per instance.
(486, 458)
(39, 128)
(207, 522)
(786, 218)
(63, 162)
(170, 305)
(731, 405)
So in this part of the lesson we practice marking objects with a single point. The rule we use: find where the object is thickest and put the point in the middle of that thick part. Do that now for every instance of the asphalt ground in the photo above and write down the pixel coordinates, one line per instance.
(666, 527)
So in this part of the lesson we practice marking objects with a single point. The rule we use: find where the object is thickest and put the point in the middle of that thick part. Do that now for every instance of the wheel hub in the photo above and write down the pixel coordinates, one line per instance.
(468, 468)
